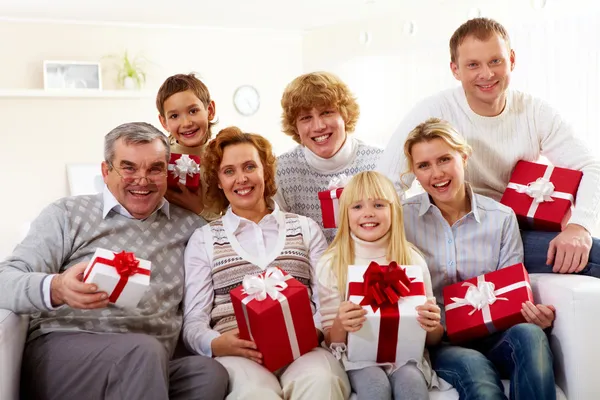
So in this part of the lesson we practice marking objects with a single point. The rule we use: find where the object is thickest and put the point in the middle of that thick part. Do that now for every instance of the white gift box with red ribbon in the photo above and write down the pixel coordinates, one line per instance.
(121, 275)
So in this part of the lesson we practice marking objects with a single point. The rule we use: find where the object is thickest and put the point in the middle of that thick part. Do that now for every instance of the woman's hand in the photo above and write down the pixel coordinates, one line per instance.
(539, 314)
(230, 344)
(429, 316)
(187, 199)
(350, 317)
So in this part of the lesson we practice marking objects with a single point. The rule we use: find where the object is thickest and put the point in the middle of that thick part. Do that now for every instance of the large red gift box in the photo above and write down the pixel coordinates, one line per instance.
(273, 310)
(330, 206)
(184, 169)
(486, 304)
(541, 195)
(390, 295)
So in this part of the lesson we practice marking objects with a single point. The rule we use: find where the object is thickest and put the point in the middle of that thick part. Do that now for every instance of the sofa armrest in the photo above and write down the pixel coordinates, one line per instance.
(574, 335)
(13, 332)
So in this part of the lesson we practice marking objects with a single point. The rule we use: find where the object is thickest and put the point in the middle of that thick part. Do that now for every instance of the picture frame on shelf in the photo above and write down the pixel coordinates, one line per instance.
(72, 75)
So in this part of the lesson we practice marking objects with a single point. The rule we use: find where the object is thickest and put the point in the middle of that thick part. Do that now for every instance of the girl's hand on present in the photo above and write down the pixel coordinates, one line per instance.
(539, 314)
(350, 317)
(68, 288)
(230, 344)
(429, 316)
(187, 199)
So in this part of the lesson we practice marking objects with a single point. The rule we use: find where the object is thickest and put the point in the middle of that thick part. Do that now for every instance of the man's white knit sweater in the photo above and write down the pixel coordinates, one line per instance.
(526, 129)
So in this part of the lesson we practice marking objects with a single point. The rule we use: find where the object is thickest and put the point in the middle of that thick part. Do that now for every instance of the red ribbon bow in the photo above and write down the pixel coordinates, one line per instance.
(126, 265)
(384, 285)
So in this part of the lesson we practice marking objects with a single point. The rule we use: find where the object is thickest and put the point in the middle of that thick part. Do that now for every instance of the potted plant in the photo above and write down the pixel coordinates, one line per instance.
(130, 71)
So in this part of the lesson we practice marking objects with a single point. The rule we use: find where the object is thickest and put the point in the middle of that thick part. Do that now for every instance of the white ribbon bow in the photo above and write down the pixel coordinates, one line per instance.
(257, 287)
(338, 182)
(479, 296)
(541, 190)
(185, 166)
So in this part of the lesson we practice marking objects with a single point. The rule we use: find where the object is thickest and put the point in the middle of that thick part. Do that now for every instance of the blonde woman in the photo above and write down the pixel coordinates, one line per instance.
(371, 229)
(462, 235)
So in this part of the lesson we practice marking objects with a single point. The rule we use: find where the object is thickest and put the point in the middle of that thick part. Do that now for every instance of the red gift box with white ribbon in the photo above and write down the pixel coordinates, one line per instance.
(541, 195)
(486, 304)
(390, 295)
(184, 169)
(273, 310)
(330, 200)
(123, 276)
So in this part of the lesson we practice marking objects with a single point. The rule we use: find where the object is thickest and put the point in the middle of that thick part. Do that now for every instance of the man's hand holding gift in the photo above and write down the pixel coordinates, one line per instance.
(569, 250)
(68, 288)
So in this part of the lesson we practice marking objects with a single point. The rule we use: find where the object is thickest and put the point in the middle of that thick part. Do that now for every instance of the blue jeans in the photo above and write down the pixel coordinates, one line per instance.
(536, 244)
(522, 354)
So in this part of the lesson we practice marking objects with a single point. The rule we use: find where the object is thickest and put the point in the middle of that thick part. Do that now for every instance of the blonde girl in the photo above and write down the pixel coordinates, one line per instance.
(371, 229)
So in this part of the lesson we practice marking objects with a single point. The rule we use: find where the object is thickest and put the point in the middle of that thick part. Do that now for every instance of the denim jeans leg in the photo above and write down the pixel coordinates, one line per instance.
(469, 371)
(536, 244)
(523, 354)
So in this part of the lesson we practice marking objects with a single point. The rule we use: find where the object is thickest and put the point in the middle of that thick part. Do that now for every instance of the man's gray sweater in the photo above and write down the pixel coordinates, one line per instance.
(68, 232)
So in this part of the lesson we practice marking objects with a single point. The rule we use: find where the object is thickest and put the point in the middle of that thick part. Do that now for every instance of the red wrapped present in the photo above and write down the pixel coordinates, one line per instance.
(390, 294)
(330, 204)
(488, 303)
(184, 169)
(273, 310)
(541, 195)
(123, 276)
(329, 200)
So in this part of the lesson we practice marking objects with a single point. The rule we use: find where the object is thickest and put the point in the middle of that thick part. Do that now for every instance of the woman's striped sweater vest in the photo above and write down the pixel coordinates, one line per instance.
(229, 268)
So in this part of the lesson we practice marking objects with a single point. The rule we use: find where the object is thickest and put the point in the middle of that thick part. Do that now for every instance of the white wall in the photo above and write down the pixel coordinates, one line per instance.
(41, 135)
(557, 53)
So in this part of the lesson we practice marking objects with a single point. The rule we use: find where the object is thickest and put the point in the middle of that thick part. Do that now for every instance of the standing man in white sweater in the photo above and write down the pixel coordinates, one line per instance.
(504, 126)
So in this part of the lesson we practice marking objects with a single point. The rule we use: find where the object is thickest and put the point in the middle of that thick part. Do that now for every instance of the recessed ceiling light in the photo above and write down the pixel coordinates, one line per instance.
(364, 38)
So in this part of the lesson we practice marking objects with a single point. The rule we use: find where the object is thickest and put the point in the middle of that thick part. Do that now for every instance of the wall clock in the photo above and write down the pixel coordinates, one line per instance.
(246, 100)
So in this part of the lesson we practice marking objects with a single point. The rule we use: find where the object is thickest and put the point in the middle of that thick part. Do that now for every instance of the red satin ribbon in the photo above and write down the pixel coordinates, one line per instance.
(382, 288)
(126, 265)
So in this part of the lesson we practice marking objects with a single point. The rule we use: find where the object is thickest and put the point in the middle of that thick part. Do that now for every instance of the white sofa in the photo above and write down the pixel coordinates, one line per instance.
(573, 339)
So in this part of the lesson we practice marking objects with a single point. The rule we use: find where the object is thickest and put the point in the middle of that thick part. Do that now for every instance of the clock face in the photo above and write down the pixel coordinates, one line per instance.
(246, 100)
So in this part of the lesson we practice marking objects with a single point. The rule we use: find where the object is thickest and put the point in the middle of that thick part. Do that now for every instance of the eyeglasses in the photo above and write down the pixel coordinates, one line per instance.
(131, 175)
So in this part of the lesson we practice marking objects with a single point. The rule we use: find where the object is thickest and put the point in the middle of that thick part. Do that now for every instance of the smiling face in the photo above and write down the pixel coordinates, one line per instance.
(186, 118)
(440, 170)
(483, 67)
(369, 219)
(142, 196)
(242, 179)
(322, 130)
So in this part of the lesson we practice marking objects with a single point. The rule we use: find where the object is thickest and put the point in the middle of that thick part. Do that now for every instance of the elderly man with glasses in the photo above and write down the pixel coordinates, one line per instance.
(80, 346)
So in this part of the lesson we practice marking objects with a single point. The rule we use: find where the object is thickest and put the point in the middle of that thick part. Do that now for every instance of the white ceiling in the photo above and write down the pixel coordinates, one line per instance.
(295, 15)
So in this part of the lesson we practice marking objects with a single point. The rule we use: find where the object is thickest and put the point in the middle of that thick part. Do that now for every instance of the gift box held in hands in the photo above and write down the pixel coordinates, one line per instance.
(184, 169)
(273, 310)
(488, 303)
(541, 195)
(123, 276)
(390, 294)
(329, 200)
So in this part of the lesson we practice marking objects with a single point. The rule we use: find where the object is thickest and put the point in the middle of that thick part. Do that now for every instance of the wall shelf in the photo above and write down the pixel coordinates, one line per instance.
(76, 93)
